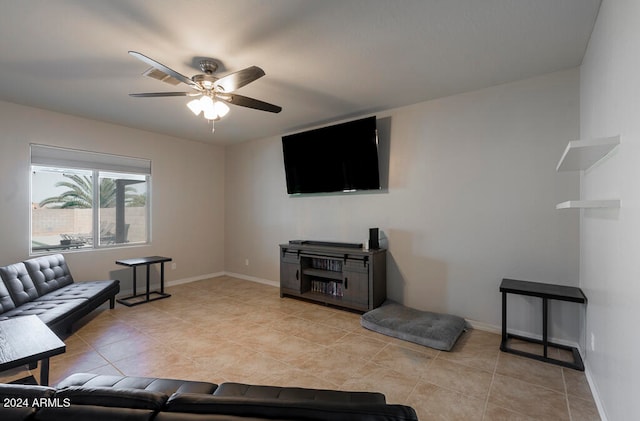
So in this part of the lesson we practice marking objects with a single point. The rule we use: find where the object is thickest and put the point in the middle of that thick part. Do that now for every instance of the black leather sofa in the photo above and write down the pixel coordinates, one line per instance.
(44, 286)
(96, 397)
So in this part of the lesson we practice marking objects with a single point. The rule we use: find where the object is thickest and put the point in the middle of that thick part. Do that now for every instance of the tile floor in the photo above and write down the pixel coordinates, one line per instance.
(227, 329)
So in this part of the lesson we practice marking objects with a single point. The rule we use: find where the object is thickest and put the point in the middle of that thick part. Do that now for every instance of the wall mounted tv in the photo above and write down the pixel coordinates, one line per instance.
(338, 158)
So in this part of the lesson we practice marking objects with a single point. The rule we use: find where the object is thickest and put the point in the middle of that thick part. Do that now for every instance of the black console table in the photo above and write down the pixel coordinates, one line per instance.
(546, 292)
(27, 340)
(135, 298)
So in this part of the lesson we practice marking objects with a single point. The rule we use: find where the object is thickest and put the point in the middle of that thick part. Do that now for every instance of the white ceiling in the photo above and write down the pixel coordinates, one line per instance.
(325, 60)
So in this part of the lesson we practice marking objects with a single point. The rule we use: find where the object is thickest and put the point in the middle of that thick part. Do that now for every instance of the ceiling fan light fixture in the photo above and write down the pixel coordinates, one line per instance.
(195, 106)
(221, 108)
(210, 115)
(206, 102)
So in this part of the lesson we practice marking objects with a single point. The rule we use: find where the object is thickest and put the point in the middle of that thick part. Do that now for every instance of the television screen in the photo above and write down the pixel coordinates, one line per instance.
(338, 158)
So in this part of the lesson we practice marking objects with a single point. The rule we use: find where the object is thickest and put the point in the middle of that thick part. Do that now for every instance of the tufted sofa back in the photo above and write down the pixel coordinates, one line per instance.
(49, 273)
(6, 303)
(18, 283)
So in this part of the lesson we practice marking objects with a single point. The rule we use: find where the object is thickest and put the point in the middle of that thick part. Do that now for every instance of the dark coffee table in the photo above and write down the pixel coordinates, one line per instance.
(27, 340)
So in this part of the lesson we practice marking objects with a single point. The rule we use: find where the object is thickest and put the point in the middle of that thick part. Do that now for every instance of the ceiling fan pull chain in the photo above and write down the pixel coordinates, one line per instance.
(213, 126)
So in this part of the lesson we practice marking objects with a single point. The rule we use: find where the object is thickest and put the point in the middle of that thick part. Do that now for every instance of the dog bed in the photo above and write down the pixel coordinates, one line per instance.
(435, 330)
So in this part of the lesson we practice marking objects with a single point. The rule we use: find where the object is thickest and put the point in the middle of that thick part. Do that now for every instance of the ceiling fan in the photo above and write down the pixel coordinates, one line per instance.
(211, 93)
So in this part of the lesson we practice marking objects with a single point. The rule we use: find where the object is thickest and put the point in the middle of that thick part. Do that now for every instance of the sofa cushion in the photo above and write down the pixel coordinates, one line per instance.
(50, 312)
(22, 407)
(84, 289)
(166, 386)
(6, 303)
(16, 390)
(19, 283)
(288, 409)
(49, 272)
(109, 396)
(296, 393)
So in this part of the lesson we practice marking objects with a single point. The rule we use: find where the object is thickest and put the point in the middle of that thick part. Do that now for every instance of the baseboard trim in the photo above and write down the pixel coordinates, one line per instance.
(254, 279)
(594, 391)
(194, 279)
(486, 327)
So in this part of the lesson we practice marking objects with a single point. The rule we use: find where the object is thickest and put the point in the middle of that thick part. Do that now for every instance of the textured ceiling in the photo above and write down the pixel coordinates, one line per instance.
(324, 60)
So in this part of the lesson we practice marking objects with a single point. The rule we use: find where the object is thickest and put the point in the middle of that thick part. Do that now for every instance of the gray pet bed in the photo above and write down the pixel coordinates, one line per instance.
(439, 331)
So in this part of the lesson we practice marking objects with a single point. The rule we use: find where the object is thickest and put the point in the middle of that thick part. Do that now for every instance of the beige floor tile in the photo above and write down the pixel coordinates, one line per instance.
(531, 371)
(583, 410)
(314, 332)
(432, 352)
(526, 398)
(64, 365)
(435, 403)
(106, 334)
(327, 363)
(287, 348)
(319, 314)
(459, 378)
(475, 349)
(577, 384)
(354, 343)
(55, 376)
(223, 354)
(496, 413)
(74, 344)
(372, 377)
(17, 373)
(259, 369)
(298, 378)
(116, 351)
(404, 360)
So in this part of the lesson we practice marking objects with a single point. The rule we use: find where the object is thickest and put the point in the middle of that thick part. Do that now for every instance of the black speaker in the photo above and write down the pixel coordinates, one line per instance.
(373, 239)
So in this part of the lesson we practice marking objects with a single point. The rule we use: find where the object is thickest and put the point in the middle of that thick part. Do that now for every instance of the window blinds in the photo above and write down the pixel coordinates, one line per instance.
(74, 158)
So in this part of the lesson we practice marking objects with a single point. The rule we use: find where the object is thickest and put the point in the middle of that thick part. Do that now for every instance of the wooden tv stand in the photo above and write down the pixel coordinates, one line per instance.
(337, 274)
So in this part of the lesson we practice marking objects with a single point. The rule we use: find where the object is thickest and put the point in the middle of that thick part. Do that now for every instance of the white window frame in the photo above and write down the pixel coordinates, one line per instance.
(75, 159)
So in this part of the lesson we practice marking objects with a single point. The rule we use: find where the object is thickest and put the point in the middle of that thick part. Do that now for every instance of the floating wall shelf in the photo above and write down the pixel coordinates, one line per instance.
(585, 204)
(582, 154)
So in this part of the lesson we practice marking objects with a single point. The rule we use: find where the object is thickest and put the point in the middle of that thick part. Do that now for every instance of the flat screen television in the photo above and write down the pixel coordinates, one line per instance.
(338, 158)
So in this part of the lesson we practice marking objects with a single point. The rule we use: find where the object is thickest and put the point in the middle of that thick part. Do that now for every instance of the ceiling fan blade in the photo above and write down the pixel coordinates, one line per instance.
(245, 101)
(162, 94)
(182, 78)
(237, 80)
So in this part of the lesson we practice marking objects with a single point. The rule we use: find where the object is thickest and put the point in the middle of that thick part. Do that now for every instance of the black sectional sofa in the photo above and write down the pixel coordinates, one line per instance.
(96, 397)
(43, 286)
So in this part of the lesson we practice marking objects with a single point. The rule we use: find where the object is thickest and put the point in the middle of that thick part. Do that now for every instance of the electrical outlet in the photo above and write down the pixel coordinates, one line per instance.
(593, 342)
(173, 266)
(246, 262)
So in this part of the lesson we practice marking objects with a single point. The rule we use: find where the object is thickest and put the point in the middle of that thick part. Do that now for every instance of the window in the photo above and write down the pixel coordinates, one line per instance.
(87, 200)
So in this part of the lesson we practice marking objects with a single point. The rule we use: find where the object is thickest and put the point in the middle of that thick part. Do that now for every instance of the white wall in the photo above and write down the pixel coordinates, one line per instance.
(610, 239)
(187, 192)
(471, 199)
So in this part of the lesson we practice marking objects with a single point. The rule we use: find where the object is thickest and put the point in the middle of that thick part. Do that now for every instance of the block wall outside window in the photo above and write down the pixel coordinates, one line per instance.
(84, 200)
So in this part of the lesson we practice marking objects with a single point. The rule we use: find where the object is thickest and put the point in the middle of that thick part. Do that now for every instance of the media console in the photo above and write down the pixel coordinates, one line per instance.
(339, 274)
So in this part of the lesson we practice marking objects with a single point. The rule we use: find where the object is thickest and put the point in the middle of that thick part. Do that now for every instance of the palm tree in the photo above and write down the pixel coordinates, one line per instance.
(80, 194)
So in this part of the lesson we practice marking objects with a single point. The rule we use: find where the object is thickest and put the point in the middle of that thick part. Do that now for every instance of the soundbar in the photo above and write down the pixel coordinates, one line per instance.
(326, 244)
